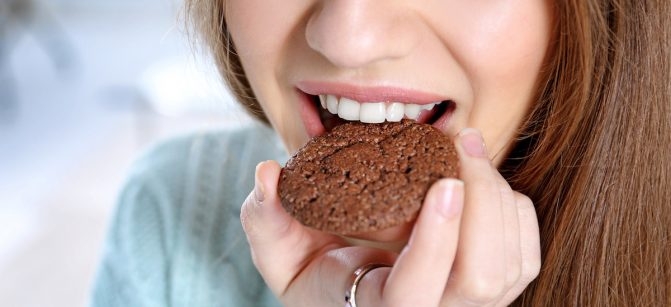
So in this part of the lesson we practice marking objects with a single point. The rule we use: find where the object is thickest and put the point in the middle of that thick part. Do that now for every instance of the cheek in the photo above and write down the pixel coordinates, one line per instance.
(261, 31)
(501, 48)
(506, 57)
(505, 43)
(258, 27)
(257, 37)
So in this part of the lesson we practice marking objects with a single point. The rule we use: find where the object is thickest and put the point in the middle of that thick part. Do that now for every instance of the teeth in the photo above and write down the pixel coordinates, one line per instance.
(371, 112)
(332, 104)
(395, 112)
(348, 109)
(428, 106)
(322, 101)
(412, 110)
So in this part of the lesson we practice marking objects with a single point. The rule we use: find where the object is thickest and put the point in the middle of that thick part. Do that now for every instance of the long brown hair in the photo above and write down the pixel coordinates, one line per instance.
(592, 155)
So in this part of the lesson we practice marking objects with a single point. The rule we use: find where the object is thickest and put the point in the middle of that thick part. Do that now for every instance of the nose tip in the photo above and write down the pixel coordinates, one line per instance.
(355, 33)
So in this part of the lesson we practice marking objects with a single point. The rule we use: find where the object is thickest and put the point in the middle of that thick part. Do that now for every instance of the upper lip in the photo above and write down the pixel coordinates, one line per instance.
(369, 93)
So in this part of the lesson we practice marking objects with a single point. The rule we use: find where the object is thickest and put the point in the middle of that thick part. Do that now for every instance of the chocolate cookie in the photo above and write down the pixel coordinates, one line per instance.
(365, 177)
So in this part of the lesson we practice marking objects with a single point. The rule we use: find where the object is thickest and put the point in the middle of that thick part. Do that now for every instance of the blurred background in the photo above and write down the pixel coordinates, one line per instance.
(85, 86)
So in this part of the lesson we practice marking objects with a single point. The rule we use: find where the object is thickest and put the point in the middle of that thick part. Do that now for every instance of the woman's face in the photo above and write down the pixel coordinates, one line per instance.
(476, 62)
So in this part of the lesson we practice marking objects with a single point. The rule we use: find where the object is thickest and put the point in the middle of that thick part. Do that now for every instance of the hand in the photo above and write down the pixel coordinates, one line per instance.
(474, 243)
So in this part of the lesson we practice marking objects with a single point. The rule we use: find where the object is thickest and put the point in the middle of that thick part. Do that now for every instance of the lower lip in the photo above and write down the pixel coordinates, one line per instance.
(444, 120)
(309, 115)
(314, 127)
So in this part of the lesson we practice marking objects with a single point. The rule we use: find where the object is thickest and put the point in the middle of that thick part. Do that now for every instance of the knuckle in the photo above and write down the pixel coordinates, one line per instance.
(513, 273)
(486, 186)
(482, 289)
(246, 216)
(531, 253)
(530, 270)
(523, 200)
(258, 262)
(533, 270)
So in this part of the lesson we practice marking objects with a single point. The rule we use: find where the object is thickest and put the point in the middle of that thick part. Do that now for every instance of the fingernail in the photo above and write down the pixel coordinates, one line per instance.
(472, 142)
(258, 186)
(450, 197)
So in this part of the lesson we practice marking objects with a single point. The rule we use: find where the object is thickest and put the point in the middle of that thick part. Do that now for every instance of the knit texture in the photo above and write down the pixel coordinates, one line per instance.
(176, 237)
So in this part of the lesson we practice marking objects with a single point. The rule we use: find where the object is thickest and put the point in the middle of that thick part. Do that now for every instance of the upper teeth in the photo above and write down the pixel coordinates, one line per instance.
(371, 112)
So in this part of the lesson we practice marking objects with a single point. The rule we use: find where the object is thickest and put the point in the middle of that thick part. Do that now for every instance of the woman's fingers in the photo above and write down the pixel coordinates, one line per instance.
(530, 251)
(530, 243)
(479, 272)
(280, 245)
(475, 242)
(511, 232)
(420, 273)
(328, 277)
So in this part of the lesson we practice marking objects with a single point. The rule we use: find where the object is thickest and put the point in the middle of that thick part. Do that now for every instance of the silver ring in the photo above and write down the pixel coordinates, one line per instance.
(350, 296)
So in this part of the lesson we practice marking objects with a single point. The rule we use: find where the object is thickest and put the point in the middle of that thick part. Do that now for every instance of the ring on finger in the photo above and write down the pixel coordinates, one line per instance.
(350, 296)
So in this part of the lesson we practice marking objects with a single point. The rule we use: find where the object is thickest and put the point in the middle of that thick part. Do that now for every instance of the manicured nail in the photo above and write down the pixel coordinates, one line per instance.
(450, 198)
(472, 142)
(258, 186)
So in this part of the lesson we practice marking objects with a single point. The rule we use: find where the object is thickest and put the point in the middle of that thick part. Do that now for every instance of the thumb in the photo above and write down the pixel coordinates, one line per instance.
(262, 216)
(279, 244)
(267, 226)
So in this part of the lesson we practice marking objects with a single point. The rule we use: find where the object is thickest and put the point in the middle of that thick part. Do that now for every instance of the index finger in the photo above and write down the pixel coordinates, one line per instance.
(479, 269)
(426, 261)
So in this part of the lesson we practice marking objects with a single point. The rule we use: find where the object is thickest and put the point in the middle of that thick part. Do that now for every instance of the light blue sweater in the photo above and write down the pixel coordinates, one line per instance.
(176, 238)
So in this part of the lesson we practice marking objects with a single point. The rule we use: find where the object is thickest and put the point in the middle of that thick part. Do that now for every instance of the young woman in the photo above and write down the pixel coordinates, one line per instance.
(559, 111)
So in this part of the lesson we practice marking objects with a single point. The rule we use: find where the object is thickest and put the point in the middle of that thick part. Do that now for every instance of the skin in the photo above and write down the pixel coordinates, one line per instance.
(476, 241)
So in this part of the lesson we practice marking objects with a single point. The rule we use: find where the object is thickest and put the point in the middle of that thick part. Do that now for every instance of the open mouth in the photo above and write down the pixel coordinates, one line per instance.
(333, 111)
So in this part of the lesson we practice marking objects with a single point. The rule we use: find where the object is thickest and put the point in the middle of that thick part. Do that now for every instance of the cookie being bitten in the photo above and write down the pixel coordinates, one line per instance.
(365, 177)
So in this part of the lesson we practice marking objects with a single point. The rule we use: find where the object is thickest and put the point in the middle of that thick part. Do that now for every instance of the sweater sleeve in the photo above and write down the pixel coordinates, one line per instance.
(135, 269)
(176, 238)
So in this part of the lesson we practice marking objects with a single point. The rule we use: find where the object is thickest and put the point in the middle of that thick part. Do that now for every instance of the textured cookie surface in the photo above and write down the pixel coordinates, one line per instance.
(365, 177)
